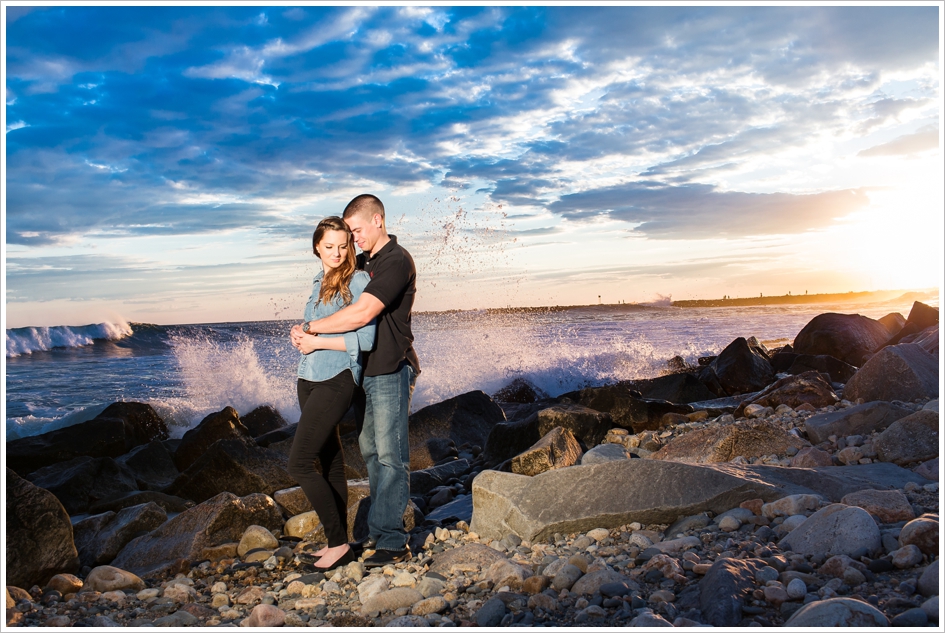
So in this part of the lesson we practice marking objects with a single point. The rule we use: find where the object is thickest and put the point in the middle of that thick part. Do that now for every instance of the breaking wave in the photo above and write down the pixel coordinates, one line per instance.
(26, 340)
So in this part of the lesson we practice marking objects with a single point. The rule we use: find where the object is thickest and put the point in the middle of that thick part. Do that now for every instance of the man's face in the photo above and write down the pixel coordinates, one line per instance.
(366, 229)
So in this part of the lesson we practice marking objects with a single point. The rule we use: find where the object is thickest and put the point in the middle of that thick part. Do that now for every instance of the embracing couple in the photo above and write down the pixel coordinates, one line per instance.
(357, 347)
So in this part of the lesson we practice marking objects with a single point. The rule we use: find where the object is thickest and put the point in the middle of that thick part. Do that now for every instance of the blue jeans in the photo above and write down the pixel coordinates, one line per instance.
(384, 445)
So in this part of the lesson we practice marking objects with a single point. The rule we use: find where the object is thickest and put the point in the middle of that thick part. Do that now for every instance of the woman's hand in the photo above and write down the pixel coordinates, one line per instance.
(296, 334)
(308, 343)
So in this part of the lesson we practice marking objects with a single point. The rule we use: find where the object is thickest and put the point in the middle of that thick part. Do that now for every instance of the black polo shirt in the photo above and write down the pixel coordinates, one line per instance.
(394, 283)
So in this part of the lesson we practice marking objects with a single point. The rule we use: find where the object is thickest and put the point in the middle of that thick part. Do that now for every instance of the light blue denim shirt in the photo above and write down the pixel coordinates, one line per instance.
(323, 364)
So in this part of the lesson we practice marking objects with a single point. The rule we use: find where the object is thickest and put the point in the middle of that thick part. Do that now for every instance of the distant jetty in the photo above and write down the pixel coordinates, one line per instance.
(847, 297)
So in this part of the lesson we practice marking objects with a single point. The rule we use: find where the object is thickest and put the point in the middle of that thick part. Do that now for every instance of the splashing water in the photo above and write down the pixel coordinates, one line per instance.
(26, 340)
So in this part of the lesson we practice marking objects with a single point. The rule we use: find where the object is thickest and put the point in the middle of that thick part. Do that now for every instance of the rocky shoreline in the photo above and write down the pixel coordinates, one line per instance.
(792, 487)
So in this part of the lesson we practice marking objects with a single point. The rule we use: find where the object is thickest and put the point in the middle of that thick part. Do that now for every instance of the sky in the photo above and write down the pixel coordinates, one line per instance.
(168, 164)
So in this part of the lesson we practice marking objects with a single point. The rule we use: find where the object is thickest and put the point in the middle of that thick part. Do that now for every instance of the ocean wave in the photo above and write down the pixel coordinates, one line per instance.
(26, 340)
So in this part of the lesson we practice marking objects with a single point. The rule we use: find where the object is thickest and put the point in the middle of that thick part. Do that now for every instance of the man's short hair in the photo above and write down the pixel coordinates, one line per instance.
(365, 204)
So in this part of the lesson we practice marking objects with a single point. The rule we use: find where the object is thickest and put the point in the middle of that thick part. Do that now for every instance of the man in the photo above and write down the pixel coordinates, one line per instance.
(390, 373)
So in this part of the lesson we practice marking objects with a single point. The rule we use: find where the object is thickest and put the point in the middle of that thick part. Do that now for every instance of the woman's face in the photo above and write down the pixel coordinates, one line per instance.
(333, 248)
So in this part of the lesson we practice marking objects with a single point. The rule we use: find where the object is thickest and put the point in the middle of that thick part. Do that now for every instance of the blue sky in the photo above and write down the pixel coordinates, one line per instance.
(167, 164)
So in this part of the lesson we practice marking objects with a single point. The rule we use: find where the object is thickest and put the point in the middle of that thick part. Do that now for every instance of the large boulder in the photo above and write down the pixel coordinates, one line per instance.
(893, 322)
(680, 388)
(835, 612)
(605, 495)
(151, 464)
(717, 443)
(913, 438)
(836, 369)
(98, 541)
(848, 337)
(84, 481)
(39, 541)
(862, 419)
(233, 465)
(927, 339)
(899, 372)
(466, 419)
(511, 438)
(169, 503)
(262, 420)
(118, 429)
(626, 407)
(519, 391)
(836, 529)
(222, 425)
(921, 317)
(807, 388)
(741, 368)
(557, 449)
(222, 519)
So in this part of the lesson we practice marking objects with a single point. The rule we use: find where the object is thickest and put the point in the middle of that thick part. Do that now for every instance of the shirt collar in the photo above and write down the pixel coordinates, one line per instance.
(386, 249)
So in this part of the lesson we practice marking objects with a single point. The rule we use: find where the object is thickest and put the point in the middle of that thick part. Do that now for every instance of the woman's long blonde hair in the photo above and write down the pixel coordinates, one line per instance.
(336, 280)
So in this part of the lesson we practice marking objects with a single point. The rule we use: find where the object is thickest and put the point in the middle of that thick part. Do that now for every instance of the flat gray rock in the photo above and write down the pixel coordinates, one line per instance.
(604, 453)
(836, 529)
(859, 420)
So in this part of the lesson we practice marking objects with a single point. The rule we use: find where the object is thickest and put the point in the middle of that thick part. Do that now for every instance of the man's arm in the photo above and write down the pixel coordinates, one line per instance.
(356, 315)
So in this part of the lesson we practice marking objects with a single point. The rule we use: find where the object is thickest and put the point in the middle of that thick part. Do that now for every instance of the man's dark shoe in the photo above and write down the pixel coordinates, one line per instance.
(383, 557)
(360, 546)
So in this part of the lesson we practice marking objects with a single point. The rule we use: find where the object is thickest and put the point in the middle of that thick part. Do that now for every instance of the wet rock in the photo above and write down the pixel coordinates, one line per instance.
(838, 612)
(80, 482)
(725, 588)
(811, 457)
(222, 425)
(681, 388)
(858, 420)
(558, 448)
(834, 368)
(573, 499)
(39, 541)
(262, 420)
(921, 532)
(889, 506)
(848, 337)
(928, 581)
(901, 372)
(232, 465)
(98, 541)
(604, 453)
(509, 439)
(107, 578)
(151, 464)
(425, 480)
(836, 529)
(794, 391)
(118, 429)
(467, 418)
(740, 369)
(753, 438)
(626, 408)
(913, 438)
(216, 521)
(521, 391)
(265, 615)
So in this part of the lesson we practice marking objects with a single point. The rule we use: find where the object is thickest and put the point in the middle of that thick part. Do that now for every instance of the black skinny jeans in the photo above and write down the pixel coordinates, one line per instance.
(323, 404)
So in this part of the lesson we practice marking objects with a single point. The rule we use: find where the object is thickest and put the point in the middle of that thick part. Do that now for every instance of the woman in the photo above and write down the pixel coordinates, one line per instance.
(329, 371)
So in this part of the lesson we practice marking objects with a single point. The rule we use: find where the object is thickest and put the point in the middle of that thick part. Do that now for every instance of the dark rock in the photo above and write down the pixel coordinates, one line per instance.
(678, 388)
(98, 543)
(921, 317)
(38, 533)
(467, 418)
(900, 372)
(262, 420)
(741, 369)
(222, 519)
(511, 438)
(460, 508)
(519, 390)
(169, 503)
(753, 438)
(432, 451)
(151, 464)
(848, 337)
(626, 407)
(222, 425)
(836, 369)
(915, 617)
(862, 419)
(893, 322)
(490, 614)
(720, 406)
(118, 429)
(782, 361)
(927, 339)
(913, 438)
(807, 388)
(557, 449)
(278, 435)
(423, 481)
(725, 588)
(83, 481)
(233, 465)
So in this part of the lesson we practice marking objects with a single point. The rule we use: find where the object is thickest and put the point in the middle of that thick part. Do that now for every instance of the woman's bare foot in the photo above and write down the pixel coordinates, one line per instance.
(321, 552)
(331, 555)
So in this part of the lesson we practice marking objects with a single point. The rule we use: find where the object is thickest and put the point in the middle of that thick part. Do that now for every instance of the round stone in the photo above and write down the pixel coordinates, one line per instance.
(256, 537)
(796, 589)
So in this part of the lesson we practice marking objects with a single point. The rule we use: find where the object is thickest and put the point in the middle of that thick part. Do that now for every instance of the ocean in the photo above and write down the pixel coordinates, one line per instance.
(59, 376)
